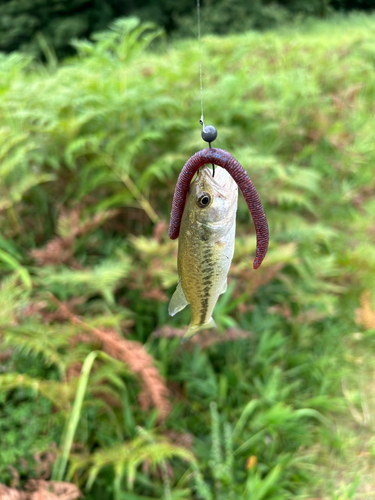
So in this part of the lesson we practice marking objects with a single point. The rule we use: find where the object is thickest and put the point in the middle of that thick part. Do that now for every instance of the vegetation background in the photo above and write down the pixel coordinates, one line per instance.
(24, 22)
(95, 388)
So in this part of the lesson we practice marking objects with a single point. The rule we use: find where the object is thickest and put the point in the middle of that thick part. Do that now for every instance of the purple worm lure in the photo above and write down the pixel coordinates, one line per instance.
(225, 160)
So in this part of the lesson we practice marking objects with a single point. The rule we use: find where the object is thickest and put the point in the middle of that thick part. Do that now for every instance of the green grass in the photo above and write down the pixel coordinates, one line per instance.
(90, 150)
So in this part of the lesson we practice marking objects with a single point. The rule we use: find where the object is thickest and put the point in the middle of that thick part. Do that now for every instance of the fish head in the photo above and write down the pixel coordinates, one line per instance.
(212, 200)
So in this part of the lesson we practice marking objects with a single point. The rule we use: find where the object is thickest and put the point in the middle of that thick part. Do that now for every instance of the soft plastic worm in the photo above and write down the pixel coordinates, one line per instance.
(225, 160)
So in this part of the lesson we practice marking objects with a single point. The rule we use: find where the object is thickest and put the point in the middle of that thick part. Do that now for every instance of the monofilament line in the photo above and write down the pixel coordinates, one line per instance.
(200, 56)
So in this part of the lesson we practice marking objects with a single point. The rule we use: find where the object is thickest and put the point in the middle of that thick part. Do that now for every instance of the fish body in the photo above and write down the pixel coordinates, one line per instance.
(205, 247)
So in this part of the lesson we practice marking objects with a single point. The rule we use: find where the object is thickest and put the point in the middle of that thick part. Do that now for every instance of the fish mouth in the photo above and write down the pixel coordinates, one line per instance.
(222, 181)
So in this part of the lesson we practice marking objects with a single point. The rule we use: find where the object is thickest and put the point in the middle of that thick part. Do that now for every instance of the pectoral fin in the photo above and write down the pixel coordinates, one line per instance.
(225, 286)
(192, 330)
(178, 301)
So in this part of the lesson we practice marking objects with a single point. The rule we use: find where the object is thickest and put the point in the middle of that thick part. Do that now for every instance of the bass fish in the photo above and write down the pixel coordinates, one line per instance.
(205, 247)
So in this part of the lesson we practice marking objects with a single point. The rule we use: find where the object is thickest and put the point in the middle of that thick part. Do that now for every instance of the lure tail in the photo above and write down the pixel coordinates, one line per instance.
(192, 330)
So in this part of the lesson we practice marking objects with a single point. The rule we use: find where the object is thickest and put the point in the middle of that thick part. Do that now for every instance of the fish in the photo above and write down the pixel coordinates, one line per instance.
(205, 247)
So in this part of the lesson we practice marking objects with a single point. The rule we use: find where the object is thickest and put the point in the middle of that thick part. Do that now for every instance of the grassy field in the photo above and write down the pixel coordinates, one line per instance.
(94, 385)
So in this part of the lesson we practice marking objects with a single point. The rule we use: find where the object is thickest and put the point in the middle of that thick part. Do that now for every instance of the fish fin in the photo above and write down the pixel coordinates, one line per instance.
(192, 330)
(178, 301)
(225, 286)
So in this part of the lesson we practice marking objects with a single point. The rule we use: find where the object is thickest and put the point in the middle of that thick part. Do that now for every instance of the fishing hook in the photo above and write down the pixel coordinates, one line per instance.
(209, 134)
(225, 160)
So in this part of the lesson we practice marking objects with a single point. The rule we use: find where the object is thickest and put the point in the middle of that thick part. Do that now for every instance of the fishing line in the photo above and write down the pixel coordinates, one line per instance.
(200, 58)
(209, 133)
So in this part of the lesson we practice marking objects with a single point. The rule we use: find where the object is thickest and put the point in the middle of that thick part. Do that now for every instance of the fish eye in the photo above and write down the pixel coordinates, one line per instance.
(203, 200)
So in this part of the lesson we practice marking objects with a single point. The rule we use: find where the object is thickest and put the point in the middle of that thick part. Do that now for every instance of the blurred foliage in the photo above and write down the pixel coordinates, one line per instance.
(23, 21)
(37, 26)
(90, 150)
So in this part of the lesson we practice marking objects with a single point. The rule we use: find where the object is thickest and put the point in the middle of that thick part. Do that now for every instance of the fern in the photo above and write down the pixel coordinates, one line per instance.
(102, 279)
(126, 458)
(59, 394)
(32, 341)
(90, 149)
(12, 298)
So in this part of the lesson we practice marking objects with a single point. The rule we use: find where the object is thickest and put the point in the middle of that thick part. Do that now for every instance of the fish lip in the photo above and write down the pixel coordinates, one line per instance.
(219, 172)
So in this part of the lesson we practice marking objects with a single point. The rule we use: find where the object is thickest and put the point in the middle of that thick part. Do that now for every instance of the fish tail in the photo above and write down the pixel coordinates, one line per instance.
(192, 330)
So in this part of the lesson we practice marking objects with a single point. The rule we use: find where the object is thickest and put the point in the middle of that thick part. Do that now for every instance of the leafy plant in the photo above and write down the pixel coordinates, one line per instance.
(276, 401)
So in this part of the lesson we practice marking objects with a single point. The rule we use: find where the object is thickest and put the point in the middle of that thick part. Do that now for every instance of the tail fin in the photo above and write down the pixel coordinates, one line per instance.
(192, 330)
